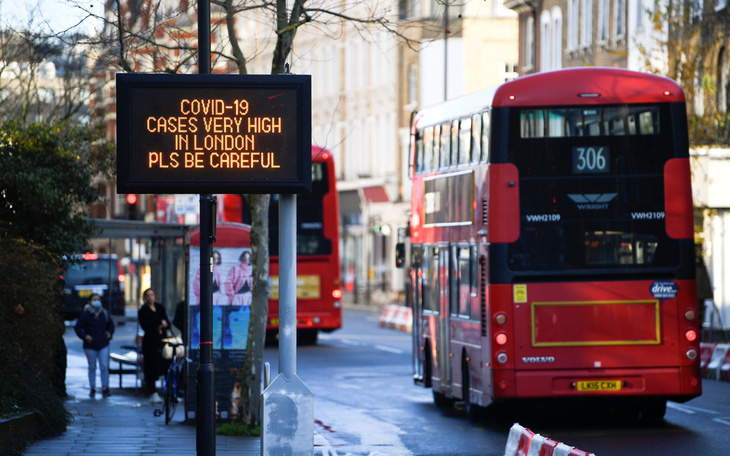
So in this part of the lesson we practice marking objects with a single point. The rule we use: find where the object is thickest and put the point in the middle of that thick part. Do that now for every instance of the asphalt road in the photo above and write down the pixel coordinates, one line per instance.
(366, 404)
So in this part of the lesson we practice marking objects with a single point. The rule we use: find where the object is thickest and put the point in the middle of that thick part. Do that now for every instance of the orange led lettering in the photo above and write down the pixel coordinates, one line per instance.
(181, 142)
(264, 124)
(153, 158)
(194, 160)
(196, 107)
(221, 124)
(157, 160)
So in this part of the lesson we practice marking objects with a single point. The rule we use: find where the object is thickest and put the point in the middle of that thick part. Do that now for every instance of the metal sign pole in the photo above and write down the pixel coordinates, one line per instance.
(206, 369)
(288, 405)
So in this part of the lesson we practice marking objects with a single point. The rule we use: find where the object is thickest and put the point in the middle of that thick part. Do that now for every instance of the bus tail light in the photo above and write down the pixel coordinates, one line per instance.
(690, 315)
(691, 354)
(337, 293)
(500, 338)
(500, 318)
(502, 357)
(691, 335)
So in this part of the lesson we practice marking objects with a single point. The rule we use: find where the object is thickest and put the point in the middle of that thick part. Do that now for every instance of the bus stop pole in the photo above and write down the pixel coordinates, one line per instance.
(288, 405)
(206, 381)
(287, 285)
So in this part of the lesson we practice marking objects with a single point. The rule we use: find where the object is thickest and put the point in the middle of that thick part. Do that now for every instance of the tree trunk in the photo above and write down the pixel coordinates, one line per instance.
(252, 367)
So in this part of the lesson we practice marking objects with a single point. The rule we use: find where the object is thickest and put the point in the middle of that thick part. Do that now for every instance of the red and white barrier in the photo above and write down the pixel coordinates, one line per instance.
(524, 442)
(397, 317)
(715, 361)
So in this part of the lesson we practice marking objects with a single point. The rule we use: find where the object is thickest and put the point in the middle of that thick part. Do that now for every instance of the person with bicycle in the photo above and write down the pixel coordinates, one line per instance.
(153, 320)
(95, 328)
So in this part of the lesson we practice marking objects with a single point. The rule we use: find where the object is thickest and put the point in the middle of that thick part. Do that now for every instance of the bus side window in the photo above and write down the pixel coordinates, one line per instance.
(430, 276)
(419, 152)
(476, 138)
(485, 136)
(436, 147)
(427, 149)
(456, 280)
(474, 263)
(465, 141)
(445, 150)
(455, 142)
(464, 292)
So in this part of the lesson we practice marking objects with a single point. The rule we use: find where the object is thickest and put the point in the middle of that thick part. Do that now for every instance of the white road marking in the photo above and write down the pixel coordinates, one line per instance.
(724, 420)
(689, 409)
(388, 349)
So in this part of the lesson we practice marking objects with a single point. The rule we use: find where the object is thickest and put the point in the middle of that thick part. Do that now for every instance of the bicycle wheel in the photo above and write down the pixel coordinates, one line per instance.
(170, 399)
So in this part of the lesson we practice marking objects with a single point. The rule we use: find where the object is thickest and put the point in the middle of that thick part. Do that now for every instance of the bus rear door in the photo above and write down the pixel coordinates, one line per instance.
(441, 257)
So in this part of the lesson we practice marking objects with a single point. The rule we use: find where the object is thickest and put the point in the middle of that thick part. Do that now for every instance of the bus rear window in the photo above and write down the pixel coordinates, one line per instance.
(592, 121)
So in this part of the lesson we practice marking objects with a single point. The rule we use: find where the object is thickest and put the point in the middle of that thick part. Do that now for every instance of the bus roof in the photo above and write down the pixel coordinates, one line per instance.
(588, 85)
(572, 86)
(458, 107)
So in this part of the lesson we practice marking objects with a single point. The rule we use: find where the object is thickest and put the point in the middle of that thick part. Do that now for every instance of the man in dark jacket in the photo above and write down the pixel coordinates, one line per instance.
(95, 328)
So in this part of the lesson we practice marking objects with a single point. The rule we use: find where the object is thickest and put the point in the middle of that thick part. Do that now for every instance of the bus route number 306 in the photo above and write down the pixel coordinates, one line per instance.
(591, 160)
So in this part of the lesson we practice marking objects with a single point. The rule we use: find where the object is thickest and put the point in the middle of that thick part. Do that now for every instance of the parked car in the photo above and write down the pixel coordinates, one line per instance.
(84, 275)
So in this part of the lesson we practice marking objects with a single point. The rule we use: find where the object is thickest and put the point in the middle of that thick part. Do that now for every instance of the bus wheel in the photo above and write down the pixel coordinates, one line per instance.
(441, 400)
(427, 366)
(471, 410)
(307, 336)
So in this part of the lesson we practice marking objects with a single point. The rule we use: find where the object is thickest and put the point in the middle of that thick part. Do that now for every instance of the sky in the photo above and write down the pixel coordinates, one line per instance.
(58, 14)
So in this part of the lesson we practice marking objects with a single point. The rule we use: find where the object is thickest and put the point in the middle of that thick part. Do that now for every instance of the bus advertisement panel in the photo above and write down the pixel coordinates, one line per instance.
(231, 288)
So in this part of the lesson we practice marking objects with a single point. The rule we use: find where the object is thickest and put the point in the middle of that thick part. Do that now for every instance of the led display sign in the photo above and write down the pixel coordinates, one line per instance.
(213, 133)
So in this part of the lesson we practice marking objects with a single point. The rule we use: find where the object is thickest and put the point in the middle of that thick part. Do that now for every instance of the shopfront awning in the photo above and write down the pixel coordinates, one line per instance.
(376, 194)
(132, 229)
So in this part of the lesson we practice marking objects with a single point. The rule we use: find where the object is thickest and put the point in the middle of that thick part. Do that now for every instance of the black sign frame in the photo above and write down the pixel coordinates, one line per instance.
(287, 95)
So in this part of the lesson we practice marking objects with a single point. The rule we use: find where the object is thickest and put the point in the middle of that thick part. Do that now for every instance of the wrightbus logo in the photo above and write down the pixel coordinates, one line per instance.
(538, 359)
(592, 201)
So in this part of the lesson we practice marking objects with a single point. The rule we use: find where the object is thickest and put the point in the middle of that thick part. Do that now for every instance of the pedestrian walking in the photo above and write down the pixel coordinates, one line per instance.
(153, 319)
(95, 328)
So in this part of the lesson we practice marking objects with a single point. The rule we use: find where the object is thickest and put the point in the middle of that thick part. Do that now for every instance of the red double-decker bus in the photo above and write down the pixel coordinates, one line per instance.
(319, 283)
(551, 243)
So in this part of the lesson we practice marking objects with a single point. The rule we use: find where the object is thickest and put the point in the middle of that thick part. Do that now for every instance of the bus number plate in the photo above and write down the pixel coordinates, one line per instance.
(274, 322)
(600, 385)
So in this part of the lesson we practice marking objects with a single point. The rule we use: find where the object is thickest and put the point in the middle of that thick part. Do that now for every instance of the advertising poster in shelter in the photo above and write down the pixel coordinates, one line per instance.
(232, 292)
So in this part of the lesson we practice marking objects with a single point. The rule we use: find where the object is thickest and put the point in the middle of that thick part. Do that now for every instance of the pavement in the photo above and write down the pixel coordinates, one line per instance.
(124, 424)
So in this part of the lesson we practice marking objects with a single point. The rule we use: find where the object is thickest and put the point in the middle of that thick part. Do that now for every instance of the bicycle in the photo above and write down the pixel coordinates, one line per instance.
(171, 387)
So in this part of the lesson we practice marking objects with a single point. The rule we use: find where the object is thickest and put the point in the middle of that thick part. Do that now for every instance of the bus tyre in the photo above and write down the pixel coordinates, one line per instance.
(427, 366)
(441, 400)
(307, 337)
(470, 410)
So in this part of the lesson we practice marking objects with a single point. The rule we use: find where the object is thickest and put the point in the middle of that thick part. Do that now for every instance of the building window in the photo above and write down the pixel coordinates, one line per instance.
(557, 40)
(510, 71)
(722, 81)
(573, 25)
(620, 14)
(412, 84)
(587, 23)
(545, 45)
(529, 43)
(604, 13)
